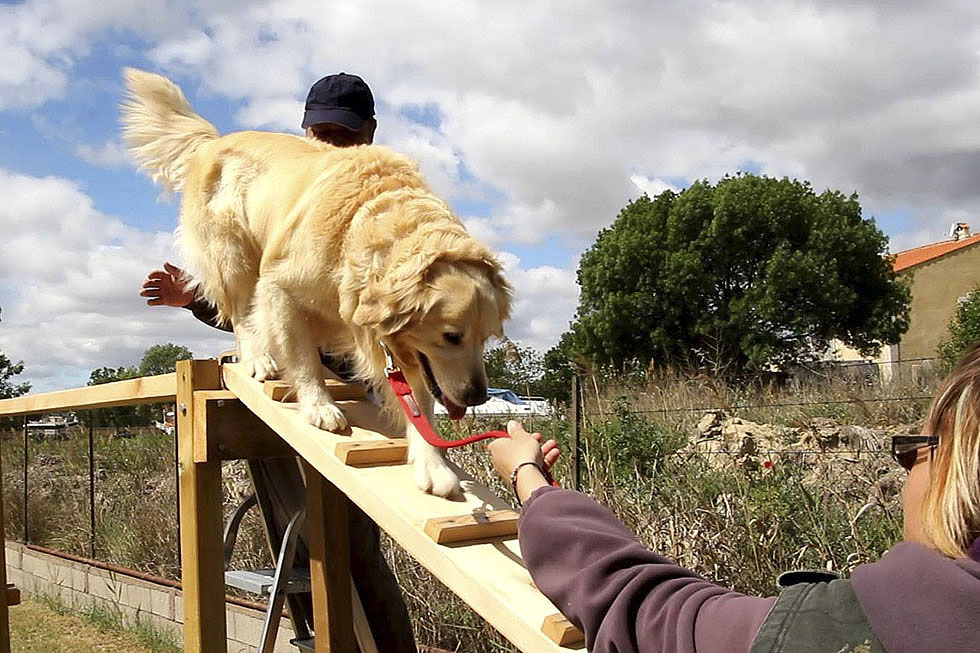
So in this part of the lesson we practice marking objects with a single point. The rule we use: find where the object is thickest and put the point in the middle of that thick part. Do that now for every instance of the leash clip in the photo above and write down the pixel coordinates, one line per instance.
(390, 366)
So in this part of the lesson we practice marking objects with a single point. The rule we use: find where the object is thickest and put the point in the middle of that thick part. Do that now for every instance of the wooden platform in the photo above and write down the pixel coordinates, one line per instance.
(487, 572)
(470, 545)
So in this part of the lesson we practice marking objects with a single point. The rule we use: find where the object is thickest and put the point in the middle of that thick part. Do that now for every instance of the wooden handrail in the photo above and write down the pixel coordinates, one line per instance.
(141, 390)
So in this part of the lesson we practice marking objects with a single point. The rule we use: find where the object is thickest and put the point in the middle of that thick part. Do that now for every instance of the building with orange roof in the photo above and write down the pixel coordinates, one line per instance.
(942, 274)
(926, 253)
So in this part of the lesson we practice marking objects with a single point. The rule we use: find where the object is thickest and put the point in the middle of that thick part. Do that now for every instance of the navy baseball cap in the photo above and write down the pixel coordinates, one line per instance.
(341, 99)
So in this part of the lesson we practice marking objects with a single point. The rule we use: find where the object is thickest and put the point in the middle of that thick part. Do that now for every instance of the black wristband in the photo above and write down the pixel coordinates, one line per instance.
(513, 478)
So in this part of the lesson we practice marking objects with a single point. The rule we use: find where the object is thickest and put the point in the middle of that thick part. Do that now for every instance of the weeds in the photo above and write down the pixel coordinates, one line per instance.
(109, 619)
(735, 524)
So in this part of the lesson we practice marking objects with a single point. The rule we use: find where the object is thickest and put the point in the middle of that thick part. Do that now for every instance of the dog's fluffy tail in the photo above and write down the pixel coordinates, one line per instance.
(160, 128)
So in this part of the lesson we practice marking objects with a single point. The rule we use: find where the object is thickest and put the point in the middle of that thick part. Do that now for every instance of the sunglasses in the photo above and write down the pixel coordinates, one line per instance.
(905, 448)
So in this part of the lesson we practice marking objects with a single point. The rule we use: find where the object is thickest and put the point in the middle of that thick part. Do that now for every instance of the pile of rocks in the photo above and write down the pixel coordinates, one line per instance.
(846, 460)
(733, 441)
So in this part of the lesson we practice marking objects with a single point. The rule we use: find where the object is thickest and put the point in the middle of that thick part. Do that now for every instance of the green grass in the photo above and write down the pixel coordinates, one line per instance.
(44, 624)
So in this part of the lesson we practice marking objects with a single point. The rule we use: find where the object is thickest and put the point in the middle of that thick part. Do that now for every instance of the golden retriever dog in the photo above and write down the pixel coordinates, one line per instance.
(305, 247)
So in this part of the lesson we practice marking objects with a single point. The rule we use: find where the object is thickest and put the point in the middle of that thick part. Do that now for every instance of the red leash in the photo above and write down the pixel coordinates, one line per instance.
(396, 378)
(398, 383)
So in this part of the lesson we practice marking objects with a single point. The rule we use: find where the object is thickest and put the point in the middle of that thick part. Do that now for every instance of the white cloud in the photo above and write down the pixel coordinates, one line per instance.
(111, 154)
(483, 230)
(42, 40)
(545, 298)
(557, 119)
(652, 186)
(280, 114)
(70, 283)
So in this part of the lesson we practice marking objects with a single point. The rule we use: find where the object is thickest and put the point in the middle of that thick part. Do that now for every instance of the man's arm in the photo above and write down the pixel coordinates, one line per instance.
(208, 314)
(171, 287)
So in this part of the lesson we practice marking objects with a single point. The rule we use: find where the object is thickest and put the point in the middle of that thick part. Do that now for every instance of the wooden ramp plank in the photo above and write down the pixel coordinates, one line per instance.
(489, 576)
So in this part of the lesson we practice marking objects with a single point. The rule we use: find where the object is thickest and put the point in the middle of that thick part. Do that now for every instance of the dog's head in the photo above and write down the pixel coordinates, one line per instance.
(436, 312)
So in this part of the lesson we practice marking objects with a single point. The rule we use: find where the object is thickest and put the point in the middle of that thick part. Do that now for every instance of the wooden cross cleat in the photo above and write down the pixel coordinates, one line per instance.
(473, 527)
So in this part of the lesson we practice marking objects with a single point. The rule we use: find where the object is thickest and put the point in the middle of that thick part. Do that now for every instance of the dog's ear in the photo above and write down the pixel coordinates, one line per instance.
(376, 311)
(503, 291)
(391, 301)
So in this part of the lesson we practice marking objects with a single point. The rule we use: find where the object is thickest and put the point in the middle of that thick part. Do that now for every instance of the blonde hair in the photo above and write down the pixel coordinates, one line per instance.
(951, 507)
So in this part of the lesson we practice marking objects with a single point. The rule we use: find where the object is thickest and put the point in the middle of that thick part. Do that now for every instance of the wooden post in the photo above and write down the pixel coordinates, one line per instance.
(202, 558)
(576, 433)
(326, 523)
(4, 621)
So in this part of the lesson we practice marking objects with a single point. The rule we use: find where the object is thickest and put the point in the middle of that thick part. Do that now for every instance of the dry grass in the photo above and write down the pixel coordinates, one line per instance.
(42, 626)
(135, 499)
(736, 525)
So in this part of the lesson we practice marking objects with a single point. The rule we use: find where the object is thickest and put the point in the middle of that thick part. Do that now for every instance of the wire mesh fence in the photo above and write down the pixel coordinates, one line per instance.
(105, 493)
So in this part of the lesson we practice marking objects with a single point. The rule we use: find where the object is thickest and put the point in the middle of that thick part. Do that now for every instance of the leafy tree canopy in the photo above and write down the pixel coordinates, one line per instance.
(158, 359)
(748, 272)
(110, 374)
(964, 329)
(510, 365)
(8, 370)
(162, 359)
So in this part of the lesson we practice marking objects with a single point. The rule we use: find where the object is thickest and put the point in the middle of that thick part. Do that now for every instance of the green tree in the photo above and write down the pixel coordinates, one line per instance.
(8, 388)
(162, 359)
(735, 276)
(510, 365)
(559, 365)
(964, 328)
(120, 416)
(8, 370)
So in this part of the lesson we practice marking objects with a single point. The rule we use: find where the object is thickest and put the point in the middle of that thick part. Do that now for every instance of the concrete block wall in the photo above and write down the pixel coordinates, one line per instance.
(79, 586)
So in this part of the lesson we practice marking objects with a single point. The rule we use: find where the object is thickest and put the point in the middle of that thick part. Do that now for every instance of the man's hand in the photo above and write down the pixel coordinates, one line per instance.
(167, 287)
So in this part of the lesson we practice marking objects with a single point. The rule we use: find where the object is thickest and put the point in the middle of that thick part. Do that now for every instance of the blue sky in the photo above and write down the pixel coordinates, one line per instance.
(537, 122)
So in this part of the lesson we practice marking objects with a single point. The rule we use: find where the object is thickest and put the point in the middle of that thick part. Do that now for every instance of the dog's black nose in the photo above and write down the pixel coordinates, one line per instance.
(476, 394)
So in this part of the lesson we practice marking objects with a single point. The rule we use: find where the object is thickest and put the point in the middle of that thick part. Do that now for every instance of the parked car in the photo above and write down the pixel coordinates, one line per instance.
(167, 425)
(504, 402)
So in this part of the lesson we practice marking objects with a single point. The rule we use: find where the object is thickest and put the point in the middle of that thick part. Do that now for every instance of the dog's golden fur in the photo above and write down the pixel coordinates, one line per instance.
(303, 246)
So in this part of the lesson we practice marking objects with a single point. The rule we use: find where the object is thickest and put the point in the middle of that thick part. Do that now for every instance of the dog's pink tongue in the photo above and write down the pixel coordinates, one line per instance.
(455, 411)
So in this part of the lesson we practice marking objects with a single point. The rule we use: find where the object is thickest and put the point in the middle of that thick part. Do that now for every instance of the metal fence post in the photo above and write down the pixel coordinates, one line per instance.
(91, 482)
(576, 434)
(27, 532)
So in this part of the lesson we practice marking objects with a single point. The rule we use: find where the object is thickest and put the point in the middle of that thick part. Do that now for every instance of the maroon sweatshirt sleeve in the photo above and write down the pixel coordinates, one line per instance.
(623, 596)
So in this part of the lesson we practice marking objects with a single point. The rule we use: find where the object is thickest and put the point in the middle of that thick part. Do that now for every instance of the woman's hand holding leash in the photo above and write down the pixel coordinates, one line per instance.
(523, 460)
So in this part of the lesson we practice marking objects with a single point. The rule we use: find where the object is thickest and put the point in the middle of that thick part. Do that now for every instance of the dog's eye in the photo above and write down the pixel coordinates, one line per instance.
(452, 338)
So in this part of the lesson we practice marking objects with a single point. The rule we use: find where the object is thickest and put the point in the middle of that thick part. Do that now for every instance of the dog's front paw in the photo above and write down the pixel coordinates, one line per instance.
(433, 475)
(262, 367)
(325, 416)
